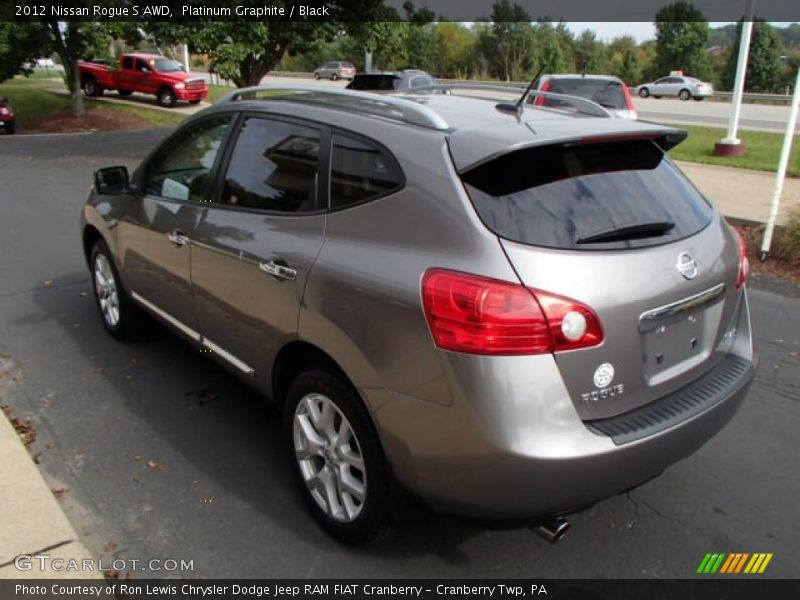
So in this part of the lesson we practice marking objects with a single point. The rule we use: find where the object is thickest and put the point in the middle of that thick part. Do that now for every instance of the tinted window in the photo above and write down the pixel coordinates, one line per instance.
(181, 170)
(555, 196)
(165, 65)
(141, 65)
(422, 81)
(273, 167)
(360, 171)
(608, 93)
(127, 62)
(373, 82)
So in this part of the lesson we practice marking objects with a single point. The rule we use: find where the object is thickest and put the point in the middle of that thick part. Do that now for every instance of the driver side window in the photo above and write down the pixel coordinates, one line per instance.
(182, 168)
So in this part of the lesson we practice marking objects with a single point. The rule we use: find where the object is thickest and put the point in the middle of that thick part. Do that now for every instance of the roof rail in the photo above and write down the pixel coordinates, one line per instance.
(582, 105)
(391, 107)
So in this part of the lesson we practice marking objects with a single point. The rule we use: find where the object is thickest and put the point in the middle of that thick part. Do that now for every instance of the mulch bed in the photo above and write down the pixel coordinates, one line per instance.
(96, 119)
(776, 266)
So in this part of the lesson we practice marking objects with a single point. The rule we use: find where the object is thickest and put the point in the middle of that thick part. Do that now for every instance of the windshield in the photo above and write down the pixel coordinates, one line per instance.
(612, 195)
(165, 65)
(606, 92)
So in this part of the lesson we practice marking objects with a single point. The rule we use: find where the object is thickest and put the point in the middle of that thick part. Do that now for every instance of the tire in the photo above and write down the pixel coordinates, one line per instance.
(124, 92)
(644, 93)
(355, 516)
(90, 87)
(10, 127)
(117, 312)
(316, 76)
(166, 97)
(684, 95)
(334, 77)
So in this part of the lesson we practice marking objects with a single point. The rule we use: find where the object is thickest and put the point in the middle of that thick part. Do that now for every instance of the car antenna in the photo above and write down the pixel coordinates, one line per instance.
(517, 106)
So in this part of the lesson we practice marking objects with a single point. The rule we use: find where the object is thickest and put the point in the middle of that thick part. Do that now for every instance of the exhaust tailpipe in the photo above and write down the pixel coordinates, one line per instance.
(552, 529)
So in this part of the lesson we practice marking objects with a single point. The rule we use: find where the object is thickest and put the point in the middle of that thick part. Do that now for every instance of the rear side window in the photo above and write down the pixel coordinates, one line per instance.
(625, 194)
(373, 82)
(360, 171)
(273, 167)
(605, 92)
(127, 62)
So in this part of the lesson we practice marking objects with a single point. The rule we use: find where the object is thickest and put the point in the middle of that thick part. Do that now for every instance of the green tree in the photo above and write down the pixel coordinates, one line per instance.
(20, 45)
(682, 34)
(624, 60)
(455, 45)
(590, 54)
(511, 39)
(420, 37)
(764, 69)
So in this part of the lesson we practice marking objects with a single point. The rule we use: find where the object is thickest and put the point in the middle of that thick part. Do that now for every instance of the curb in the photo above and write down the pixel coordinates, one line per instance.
(33, 523)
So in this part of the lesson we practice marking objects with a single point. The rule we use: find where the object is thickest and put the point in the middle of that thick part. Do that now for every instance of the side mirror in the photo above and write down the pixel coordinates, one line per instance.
(112, 180)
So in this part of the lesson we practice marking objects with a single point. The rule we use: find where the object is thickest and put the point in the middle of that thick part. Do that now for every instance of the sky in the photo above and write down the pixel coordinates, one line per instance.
(641, 31)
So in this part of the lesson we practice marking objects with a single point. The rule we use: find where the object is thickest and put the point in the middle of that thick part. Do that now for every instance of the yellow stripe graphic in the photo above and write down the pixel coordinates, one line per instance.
(765, 563)
(754, 562)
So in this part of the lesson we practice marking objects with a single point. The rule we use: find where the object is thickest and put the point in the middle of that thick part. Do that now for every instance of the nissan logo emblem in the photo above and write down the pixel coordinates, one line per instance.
(687, 265)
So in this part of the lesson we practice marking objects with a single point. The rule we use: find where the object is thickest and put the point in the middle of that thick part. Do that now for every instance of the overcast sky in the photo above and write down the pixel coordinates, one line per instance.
(641, 31)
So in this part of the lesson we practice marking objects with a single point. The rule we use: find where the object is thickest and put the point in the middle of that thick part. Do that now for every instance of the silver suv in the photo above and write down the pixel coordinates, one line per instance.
(510, 311)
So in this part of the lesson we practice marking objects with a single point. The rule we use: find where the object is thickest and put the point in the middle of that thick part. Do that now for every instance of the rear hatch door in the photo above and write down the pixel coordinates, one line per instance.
(616, 226)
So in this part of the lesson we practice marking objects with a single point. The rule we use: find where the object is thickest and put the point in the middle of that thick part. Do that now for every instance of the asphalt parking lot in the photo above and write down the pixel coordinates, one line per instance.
(163, 454)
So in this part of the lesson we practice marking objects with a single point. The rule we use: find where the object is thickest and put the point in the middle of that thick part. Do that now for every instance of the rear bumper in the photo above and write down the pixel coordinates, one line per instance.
(702, 93)
(519, 450)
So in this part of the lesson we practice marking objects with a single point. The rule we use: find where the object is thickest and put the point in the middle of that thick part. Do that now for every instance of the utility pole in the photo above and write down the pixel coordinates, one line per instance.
(731, 145)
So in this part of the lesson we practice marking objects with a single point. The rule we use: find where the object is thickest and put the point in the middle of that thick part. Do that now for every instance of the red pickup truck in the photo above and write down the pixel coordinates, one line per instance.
(145, 73)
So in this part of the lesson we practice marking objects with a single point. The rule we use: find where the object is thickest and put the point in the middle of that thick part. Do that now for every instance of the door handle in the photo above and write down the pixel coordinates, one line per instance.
(278, 269)
(178, 238)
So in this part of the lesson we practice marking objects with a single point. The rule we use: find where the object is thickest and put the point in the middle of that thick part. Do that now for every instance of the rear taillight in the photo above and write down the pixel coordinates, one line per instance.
(477, 315)
(539, 101)
(744, 262)
(629, 100)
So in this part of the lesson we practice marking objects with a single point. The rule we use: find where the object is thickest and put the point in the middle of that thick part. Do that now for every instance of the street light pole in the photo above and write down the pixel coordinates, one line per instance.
(731, 145)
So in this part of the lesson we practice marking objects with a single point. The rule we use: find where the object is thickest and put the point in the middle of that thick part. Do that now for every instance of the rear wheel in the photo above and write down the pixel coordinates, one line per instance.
(644, 93)
(90, 86)
(337, 455)
(334, 77)
(10, 127)
(166, 97)
(118, 313)
(316, 76)
(684, 95)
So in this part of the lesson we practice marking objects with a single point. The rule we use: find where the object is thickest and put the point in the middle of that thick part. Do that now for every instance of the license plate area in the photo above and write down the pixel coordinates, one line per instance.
(674, 344)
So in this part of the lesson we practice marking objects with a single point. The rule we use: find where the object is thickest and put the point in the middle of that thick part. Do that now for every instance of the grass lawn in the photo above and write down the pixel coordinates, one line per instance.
(763, 149)
(215, 92)
(33, 101)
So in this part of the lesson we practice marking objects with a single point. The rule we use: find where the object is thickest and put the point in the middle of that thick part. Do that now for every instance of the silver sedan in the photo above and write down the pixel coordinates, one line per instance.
(676, 85)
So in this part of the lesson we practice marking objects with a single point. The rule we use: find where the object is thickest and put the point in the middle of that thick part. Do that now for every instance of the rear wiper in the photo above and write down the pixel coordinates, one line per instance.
(627, 232)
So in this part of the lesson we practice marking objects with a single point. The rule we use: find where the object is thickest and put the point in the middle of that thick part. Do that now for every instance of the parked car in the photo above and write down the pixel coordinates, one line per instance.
(608, 91)
(429, 312)
(145, 73)
(391, 81)
(8, 121)
(677, 85)
(335, 70)
(45, 63)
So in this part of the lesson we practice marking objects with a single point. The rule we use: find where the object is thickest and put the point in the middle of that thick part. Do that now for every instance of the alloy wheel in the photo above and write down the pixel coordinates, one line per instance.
(107, 293)
(329, 457)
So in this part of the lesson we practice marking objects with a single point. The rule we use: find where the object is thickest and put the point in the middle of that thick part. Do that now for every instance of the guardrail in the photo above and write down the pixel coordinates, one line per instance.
(513, 85)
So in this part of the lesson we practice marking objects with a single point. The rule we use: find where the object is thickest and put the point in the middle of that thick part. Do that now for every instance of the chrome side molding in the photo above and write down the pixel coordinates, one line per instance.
(195, 335)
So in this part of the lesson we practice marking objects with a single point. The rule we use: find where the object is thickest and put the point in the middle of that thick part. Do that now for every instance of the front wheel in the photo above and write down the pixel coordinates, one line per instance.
(684, 95)
(166, 97)
(334, 77)
(337, 455)
(644, 93)
(116, 310)
(90, 87)
(316, 76)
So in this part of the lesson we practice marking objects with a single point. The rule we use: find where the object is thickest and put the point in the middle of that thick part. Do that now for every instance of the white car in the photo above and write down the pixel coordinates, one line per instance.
(45, 63)
(676, 85)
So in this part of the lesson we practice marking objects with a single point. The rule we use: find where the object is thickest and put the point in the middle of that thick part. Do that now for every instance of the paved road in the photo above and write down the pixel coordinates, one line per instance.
(224, 496)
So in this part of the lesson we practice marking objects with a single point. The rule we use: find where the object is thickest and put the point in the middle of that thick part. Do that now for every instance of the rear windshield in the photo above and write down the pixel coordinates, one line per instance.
(625, 194)
(605, 92)
(373, 82)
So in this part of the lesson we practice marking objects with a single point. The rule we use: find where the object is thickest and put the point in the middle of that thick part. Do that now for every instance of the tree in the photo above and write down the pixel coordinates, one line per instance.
(511, 38)
(624, 60)
(420, 37)
(590, 54)
(764, 68)
(454, 47)
(244, 51)
(682, 34)
(20, 45)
